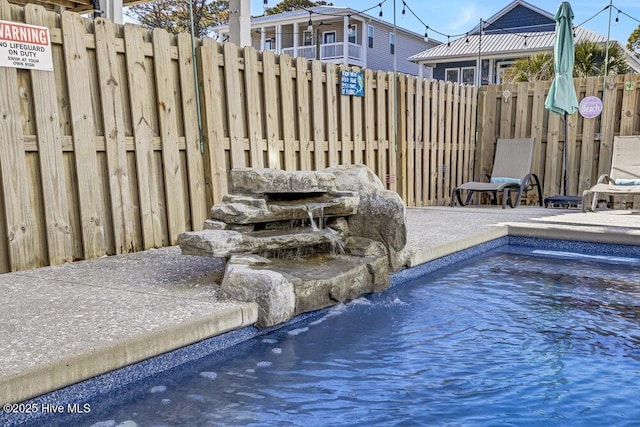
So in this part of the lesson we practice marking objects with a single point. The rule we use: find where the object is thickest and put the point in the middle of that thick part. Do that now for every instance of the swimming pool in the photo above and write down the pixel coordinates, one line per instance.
(518, 335)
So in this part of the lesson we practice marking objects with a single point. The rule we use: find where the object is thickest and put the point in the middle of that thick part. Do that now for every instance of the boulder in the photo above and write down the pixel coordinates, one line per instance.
(224, 243)
(277, 181)
(381, 213)
(272, 291)
(248, 210)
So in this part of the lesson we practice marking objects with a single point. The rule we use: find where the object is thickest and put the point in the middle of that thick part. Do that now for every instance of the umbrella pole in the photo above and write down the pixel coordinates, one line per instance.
(564, 200)
(566, 155)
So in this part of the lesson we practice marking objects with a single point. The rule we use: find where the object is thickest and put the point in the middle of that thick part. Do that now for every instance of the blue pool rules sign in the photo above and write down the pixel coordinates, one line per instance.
(352, 83)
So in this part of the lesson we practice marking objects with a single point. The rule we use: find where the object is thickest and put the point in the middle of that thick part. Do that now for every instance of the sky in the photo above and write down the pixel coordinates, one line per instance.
(454, 17)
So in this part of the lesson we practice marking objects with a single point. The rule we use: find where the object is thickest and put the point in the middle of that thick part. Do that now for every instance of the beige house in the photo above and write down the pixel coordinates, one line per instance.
(340, 35)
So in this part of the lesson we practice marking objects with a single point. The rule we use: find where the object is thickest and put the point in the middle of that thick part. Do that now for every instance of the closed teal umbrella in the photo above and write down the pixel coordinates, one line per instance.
(562, 97)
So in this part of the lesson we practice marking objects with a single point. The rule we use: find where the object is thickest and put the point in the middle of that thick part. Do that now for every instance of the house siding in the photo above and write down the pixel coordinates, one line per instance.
(520, 17)
(379, 58)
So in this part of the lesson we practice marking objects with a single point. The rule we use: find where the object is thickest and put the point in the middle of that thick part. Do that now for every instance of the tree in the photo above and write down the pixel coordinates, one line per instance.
(289, 5)
(173, 15)
(589, 61)
(539, 67)
(633, 42)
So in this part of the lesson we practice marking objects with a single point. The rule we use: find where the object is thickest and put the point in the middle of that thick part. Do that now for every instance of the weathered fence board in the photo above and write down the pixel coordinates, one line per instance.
(212, 111)
(51, 169)
(304, 108)
(192, 126)
(142, 100)
(235, 108)
(345, 127)
(318, 115)
(174, 196)
(110, 80)
(288, 112)
(253, 105)
(270, 109)
(332, 114)
(82, 124)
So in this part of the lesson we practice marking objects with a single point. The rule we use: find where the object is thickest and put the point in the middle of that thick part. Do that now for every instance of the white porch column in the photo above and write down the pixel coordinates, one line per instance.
(278, 38)
(345, 40)
(111, 9)
(240, 22)
(296, 38)
(263, 36)
(365, 43)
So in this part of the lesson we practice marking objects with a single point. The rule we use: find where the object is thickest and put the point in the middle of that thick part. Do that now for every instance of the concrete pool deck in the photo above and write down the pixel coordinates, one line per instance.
(67, 323)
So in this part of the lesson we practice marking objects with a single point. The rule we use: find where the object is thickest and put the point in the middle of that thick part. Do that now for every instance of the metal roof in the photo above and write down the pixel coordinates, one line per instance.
(499, 45)
(331, 11)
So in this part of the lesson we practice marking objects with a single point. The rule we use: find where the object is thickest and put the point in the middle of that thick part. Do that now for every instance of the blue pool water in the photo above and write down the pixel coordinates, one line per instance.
(516, 336)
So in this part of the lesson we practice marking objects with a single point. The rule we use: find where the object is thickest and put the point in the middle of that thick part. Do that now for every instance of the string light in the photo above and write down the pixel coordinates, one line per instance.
(483, 24)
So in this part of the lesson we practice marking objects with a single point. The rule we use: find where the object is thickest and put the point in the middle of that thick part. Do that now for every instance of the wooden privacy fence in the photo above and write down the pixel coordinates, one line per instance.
(517, 111)
(104, 156)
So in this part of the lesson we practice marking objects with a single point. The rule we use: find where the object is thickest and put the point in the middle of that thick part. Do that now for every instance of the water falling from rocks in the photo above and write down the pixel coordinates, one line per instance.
(301, 241)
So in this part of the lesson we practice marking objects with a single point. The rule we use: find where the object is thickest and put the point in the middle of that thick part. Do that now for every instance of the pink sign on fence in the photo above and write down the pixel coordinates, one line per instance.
(590, 107)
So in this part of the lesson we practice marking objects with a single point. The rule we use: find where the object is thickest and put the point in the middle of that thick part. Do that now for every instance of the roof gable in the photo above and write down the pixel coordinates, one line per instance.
(523, 19)
(518, 14)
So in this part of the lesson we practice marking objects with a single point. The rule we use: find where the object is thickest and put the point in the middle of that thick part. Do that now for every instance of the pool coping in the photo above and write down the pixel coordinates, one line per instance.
(592, 234)
(190, 346)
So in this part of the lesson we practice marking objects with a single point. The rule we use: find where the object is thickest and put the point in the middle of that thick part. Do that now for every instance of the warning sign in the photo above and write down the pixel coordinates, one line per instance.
(25, 46)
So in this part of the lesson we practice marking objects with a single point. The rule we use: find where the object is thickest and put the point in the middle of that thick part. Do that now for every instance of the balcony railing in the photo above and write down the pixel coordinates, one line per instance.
(333, 52)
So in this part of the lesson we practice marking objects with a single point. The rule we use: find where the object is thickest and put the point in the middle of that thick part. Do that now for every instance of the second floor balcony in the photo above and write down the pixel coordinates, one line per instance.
(331, 52)
(332, 39)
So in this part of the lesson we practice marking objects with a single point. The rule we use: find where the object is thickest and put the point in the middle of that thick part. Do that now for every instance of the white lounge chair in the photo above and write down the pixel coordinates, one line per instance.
(624, 178)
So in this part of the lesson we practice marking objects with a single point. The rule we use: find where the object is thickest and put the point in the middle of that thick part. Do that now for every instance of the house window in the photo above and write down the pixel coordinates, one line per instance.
(353, 33)
(486, 74)
(392, 43)
(370, 34)
(307, 38)
(452, 75)
(329, 37)
(502, 70)
(468, 75)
